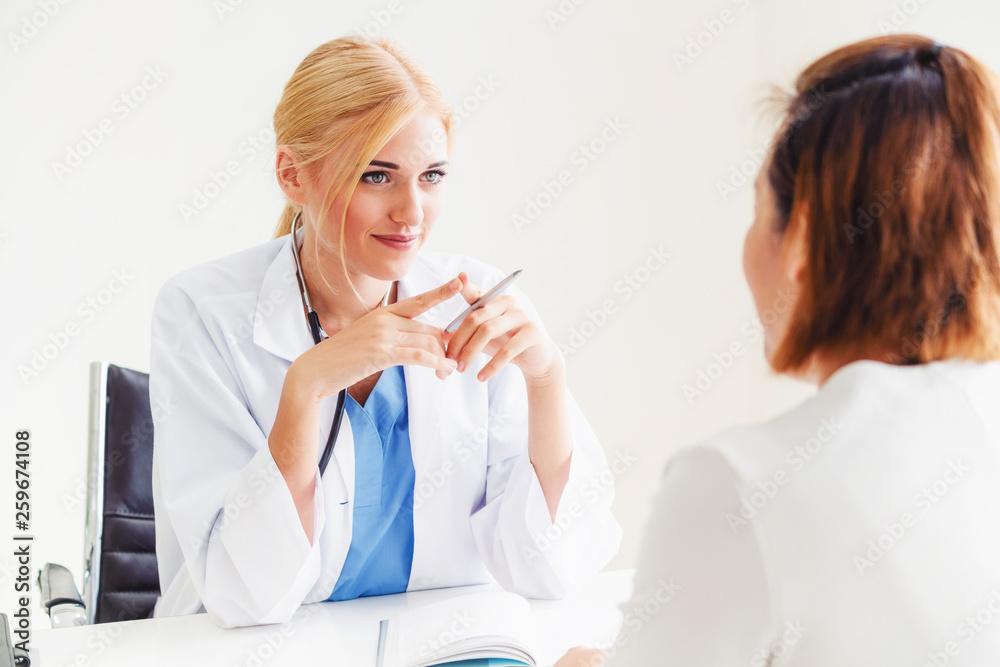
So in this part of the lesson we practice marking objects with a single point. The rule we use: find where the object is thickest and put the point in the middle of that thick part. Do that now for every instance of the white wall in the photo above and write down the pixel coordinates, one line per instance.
(558, 85)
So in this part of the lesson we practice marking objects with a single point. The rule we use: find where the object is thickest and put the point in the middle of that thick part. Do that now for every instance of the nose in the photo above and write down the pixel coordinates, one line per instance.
(407, 206)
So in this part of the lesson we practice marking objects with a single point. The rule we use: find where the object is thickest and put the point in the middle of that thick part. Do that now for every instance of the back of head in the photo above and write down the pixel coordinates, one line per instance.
(888, 155)
(348, 97)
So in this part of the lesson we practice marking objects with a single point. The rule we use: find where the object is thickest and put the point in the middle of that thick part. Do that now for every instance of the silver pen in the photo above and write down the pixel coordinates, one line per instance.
(483, 300)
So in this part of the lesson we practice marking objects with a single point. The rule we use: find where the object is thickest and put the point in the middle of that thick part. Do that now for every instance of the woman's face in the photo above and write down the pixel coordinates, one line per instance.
(395, 204)
(767, 269)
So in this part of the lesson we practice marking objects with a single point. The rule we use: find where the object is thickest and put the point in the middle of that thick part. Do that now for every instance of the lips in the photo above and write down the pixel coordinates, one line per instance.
(397, 238)
(400, 242)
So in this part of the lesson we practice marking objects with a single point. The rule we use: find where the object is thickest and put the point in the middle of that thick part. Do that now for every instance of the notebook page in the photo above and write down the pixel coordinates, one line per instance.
(421, 634)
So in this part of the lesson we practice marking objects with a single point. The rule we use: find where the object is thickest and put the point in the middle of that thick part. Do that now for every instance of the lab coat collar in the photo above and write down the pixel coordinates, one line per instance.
(280, 324)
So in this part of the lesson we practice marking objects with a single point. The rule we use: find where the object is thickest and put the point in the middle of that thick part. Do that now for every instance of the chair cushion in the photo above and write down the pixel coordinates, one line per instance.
(129, 583)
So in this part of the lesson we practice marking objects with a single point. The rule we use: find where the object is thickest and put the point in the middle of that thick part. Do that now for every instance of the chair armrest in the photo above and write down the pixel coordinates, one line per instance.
(10, 656)
(60, 597)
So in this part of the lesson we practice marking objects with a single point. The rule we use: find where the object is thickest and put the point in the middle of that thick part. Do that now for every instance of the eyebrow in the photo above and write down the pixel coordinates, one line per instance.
(393, 165)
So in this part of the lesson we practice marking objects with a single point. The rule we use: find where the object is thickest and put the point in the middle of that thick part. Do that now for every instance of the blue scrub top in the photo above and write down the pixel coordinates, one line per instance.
(381, 552)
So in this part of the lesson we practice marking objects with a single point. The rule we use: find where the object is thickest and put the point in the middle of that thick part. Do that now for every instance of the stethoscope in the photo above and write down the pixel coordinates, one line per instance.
(319, 336)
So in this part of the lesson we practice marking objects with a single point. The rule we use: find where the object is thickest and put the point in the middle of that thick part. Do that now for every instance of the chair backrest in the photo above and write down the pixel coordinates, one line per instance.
(121, 581)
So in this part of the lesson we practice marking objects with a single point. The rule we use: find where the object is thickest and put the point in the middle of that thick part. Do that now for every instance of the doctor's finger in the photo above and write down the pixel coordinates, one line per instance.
(421, 303)
(430, 342)
(498, 329)
(415, 356)
(473, 321)
(470, 291)
(520, 342)
(405, 324)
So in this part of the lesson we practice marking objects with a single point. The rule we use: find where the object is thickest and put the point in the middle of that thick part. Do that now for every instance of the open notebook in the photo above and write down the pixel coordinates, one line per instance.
(478, 630)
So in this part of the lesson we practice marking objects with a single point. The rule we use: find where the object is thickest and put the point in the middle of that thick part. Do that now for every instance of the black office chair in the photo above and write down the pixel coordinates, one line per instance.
(120, 579)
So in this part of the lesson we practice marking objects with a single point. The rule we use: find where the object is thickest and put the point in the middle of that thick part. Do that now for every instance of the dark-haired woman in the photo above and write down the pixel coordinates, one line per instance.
(862, 527)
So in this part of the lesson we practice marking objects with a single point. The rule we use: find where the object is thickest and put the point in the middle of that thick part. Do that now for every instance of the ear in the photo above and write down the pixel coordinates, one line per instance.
(795, 247)
(290, 175)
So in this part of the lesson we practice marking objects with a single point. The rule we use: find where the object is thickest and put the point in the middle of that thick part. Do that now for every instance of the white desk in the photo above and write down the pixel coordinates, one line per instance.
(327, 633)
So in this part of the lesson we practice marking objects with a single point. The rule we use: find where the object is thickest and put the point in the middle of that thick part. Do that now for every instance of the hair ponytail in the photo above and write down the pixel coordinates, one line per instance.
(287, 217)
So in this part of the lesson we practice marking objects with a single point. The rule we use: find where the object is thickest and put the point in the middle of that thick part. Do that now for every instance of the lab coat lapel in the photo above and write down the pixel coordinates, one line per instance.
(279, 320)
(281, 328)
(423, 388)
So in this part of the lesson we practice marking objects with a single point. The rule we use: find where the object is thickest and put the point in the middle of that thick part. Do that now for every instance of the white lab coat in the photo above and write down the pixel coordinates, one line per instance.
(860, 528)
(228, 537)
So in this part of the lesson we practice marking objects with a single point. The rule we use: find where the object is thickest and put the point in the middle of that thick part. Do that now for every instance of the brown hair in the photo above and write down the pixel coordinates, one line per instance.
(888, 156)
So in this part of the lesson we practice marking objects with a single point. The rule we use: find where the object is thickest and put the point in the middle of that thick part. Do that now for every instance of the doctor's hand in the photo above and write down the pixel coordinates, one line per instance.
(380, 339)
(582, 657)
(501, 329)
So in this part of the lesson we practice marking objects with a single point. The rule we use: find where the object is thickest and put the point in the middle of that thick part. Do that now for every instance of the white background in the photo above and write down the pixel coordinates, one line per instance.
(560, 79)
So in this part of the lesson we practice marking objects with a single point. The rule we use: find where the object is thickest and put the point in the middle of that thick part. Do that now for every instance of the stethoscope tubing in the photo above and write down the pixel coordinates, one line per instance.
(318, 336)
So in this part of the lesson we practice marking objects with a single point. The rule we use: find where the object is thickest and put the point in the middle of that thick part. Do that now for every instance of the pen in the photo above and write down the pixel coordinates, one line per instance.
(483, 300)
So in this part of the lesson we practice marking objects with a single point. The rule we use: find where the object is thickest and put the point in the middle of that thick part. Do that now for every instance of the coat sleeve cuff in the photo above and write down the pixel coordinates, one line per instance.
(584, 535)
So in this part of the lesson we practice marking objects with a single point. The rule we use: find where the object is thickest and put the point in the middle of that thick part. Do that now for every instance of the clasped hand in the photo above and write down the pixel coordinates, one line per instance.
(390, 336)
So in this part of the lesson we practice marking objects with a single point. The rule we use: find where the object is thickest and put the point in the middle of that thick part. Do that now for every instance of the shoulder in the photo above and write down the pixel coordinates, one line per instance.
(862, 401)
(213, 295)
(234, 274)
(753, 451)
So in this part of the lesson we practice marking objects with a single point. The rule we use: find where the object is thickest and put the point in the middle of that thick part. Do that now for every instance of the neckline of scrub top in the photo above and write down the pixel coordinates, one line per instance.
(381, 552)
(384, 403)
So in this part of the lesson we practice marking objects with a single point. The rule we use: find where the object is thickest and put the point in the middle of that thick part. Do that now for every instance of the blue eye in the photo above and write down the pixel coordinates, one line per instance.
(435, 176)
(375, 177)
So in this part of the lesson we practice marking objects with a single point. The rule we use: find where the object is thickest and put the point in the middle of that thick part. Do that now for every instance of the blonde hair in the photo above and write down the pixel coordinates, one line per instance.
(350, 96)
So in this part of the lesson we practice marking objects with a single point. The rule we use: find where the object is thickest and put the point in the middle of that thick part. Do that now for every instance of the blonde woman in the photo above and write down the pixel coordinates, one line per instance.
(460, 457)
